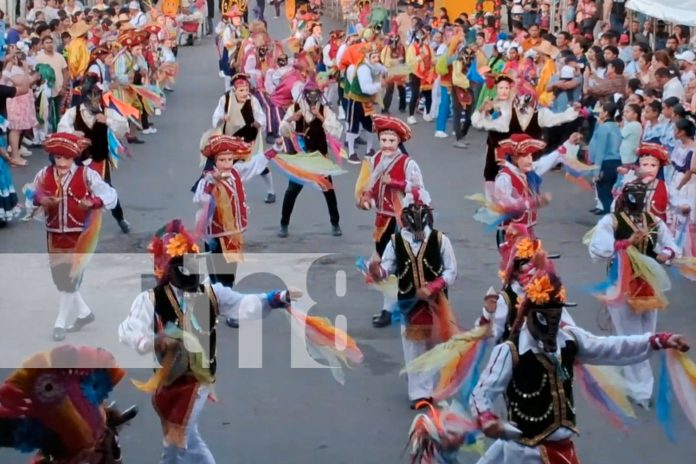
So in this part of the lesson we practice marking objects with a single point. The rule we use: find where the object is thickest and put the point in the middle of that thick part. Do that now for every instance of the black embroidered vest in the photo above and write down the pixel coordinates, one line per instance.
(199, 318)
(415, 271)
(625, 228)
(313, 133)
(538, 399)
(98, 135)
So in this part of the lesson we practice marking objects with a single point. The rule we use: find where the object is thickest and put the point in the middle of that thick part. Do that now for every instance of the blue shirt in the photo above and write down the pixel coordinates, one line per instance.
(2, 40)
(473, 75)
(605, 143)
(653, 133)
(13, 37)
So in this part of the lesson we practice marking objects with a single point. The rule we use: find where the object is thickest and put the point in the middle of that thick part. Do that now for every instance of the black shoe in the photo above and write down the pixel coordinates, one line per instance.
(124, 225)
(136, 141)
(600, 212)
(360, 141)
(402, 110)
(58, 334)
(232, 322)
(189, 40)
(283, 232)
(3, 223)
(421, 403)
(385, 112)
(383, 319)
(336, 230)
(595, 210)
(270, 198)
(353, 159)
(370, 154)
(81, 322)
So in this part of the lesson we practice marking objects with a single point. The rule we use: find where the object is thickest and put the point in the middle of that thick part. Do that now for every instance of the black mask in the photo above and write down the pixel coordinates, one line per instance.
(263, 51)
(313, 96)
(282, 60)
(92, 97)
(544, 324)
(415, 218)
(184, 274)
(633, 197)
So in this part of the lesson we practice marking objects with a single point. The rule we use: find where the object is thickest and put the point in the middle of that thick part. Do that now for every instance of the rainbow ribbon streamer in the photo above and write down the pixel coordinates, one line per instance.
(577, 173)
(116, 148)
(677, 380)
(86, 243)
(326, 341)
(388, 287)
(492, 214)
(308, 169)
(336, 148)
(605, 390)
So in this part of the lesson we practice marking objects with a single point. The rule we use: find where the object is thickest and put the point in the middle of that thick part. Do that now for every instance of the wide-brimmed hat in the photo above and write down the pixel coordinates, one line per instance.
(227, 145)
(66, 145)
(548, 49)
(78, 29)
(384, 123)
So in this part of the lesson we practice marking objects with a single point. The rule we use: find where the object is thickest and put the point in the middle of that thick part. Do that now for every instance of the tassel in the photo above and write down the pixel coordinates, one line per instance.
(86, 243)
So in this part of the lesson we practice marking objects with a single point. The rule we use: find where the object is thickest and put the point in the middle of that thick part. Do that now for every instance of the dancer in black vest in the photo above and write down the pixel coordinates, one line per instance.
(93, 121)
(240, 114)
(311, 120)
(180, 305)
(423, 260)
(534, 372)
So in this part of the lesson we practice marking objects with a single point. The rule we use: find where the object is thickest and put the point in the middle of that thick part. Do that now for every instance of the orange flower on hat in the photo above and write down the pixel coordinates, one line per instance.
(502, 275)
(179, 246)
(539, 290)
(526, 248)
(561, 295)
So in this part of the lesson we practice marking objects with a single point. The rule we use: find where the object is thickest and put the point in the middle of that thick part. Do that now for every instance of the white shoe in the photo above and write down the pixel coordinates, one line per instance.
(427, 118)
(221, 74)
(25, 152)
(150, 130)
(411, 120)
(441, 135)
(158, 112)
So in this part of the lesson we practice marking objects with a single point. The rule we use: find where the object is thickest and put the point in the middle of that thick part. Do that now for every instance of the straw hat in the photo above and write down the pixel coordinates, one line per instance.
(78, 29)
(547, 49)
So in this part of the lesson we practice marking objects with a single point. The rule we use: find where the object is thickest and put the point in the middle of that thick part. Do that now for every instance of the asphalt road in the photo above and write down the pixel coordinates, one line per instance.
(296, 415)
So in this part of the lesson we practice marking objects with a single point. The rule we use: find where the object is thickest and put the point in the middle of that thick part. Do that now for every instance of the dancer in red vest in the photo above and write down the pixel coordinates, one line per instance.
(67, 192)
(382, 185)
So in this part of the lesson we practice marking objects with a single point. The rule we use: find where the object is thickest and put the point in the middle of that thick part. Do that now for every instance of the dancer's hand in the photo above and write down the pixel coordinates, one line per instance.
(638, 236)
(423, 293)
(678, 342)
(86, 203)
(375, 269)
(685, 209)
(100, 117)
(49, 202)
(545, 198)
(494, 429)
(662, 258)
(294, 293)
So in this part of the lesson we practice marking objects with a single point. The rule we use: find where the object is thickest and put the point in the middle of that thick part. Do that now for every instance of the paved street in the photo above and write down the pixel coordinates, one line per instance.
(276, 414)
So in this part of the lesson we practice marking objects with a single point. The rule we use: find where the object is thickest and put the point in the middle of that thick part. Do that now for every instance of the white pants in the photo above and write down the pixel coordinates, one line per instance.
(627, 322)
(421, 384)
(510, 452)
(196, 451)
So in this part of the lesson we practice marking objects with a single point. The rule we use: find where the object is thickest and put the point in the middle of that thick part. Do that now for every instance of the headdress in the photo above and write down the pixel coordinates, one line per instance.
(547, 48)
(171, 241)
(519, 145)
(78, 29)
(232, 8)
(227, 145)
(519, 248)
(384, 123)
(655, 150)
(66, 145)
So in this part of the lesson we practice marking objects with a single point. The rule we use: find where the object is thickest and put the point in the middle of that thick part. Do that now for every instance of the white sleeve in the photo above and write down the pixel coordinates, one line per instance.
(413, 173)
(106, 193)
(389, 259)
(219, 113)
(367, 85)
(611, 351)
(259, 115)
(296, 90)
(449, 261)
(287, 127)
(67, 121)
(602, 243)
(341, 51)
(229, 303)
(494, 380)
(503, 186)
(200, 197)
(666, 241)
(331, 124)
(309, 44)
(546, 162)
(497, 319)
(117, 123)
(328, 62)
(138, 330)
(500, 124)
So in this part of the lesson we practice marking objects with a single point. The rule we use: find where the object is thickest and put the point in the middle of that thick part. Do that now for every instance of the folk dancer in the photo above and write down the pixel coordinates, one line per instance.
(423, 260)
(534, 370)
(67, 192)
(232, 31)
(365, 84)
(392, 56)
(517, 184)
(179, 306)
(634, 311)
(389, 172)
(240, 114)
(77, 56)
(91, 120)
(312, 120)
(329, 59)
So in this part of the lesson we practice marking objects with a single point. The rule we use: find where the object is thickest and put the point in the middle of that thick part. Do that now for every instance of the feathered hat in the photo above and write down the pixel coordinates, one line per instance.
(171, 241)
(227, 145)
(66, 145)
(519, 145)
(382, 123)
(655, 150)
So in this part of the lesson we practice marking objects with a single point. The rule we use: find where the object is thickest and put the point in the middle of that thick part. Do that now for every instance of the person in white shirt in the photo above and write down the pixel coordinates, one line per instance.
(686, 61)
(138, 18)
(671, 85)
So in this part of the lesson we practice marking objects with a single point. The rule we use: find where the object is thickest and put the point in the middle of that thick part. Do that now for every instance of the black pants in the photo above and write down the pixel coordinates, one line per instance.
(381, 245)
(261, 5)
(389, 95)
(144, 119)
(607, 179)
(460, 129)
(276, 5)
(219, 270)
(294, 190)
(117, 212)
(60, 274)
(415, 96)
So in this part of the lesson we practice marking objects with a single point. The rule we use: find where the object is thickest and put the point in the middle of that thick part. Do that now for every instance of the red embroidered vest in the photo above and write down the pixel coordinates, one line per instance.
(658, 200)
(521, 190)
(384, 195)
(234, 209)
(67, 216)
